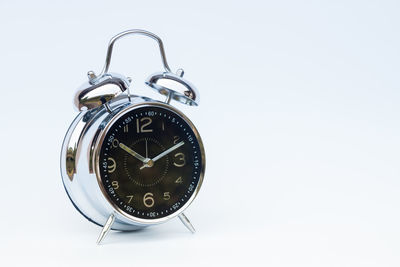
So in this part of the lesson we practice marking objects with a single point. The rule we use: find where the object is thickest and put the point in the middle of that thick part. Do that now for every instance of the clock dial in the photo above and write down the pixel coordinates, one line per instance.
(150, 161)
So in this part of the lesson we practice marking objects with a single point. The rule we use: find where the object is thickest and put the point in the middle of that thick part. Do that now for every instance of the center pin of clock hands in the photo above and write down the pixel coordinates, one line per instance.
(150, 162)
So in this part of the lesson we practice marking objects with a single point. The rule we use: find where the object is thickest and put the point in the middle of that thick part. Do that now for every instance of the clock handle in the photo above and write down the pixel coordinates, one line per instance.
(131, 32)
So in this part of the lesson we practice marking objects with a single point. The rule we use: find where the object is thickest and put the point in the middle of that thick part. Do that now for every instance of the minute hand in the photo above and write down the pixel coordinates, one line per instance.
(169, 150)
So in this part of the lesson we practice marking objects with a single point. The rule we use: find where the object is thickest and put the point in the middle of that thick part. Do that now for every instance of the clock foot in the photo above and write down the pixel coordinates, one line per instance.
(186, 223)
(106, 228)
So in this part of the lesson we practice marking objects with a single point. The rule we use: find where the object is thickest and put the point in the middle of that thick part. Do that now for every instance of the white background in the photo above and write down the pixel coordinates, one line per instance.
(299, 116)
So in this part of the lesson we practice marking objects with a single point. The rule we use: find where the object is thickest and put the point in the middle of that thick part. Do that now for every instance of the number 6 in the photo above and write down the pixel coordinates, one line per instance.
(148, 200)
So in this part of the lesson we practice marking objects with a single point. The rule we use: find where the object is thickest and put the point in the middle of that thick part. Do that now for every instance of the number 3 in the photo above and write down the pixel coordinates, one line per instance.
(181, 158)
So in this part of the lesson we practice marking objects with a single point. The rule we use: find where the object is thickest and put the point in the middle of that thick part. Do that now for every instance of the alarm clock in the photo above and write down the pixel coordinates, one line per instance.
(129, 161)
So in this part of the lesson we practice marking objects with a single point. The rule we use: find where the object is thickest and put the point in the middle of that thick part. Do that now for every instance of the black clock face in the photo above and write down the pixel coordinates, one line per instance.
(150, 162)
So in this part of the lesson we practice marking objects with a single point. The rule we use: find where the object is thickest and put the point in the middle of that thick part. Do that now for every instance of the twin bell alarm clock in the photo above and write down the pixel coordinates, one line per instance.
(128, 161)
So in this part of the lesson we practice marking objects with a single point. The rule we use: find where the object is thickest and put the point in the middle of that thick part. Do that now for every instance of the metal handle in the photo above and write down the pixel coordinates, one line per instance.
(135, 31)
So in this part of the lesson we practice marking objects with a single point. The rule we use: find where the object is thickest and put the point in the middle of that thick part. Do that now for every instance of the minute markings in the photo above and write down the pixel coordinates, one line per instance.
(152, 161)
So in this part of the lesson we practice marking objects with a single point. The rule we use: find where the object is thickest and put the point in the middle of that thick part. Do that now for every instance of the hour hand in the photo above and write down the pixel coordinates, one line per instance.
(133, 153)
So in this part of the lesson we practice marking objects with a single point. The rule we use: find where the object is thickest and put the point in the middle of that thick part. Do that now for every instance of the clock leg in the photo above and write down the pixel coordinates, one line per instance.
(186, 222)
(106, 228)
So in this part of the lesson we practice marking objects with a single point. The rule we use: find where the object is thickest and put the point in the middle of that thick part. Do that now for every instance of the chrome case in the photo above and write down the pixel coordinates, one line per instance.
(84, 186)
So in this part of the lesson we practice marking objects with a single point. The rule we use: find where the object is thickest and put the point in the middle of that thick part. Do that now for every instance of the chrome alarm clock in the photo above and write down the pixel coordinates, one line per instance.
(128, 161)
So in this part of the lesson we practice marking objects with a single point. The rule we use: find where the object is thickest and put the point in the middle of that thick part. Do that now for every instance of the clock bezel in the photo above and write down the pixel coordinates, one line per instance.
(96, 161)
